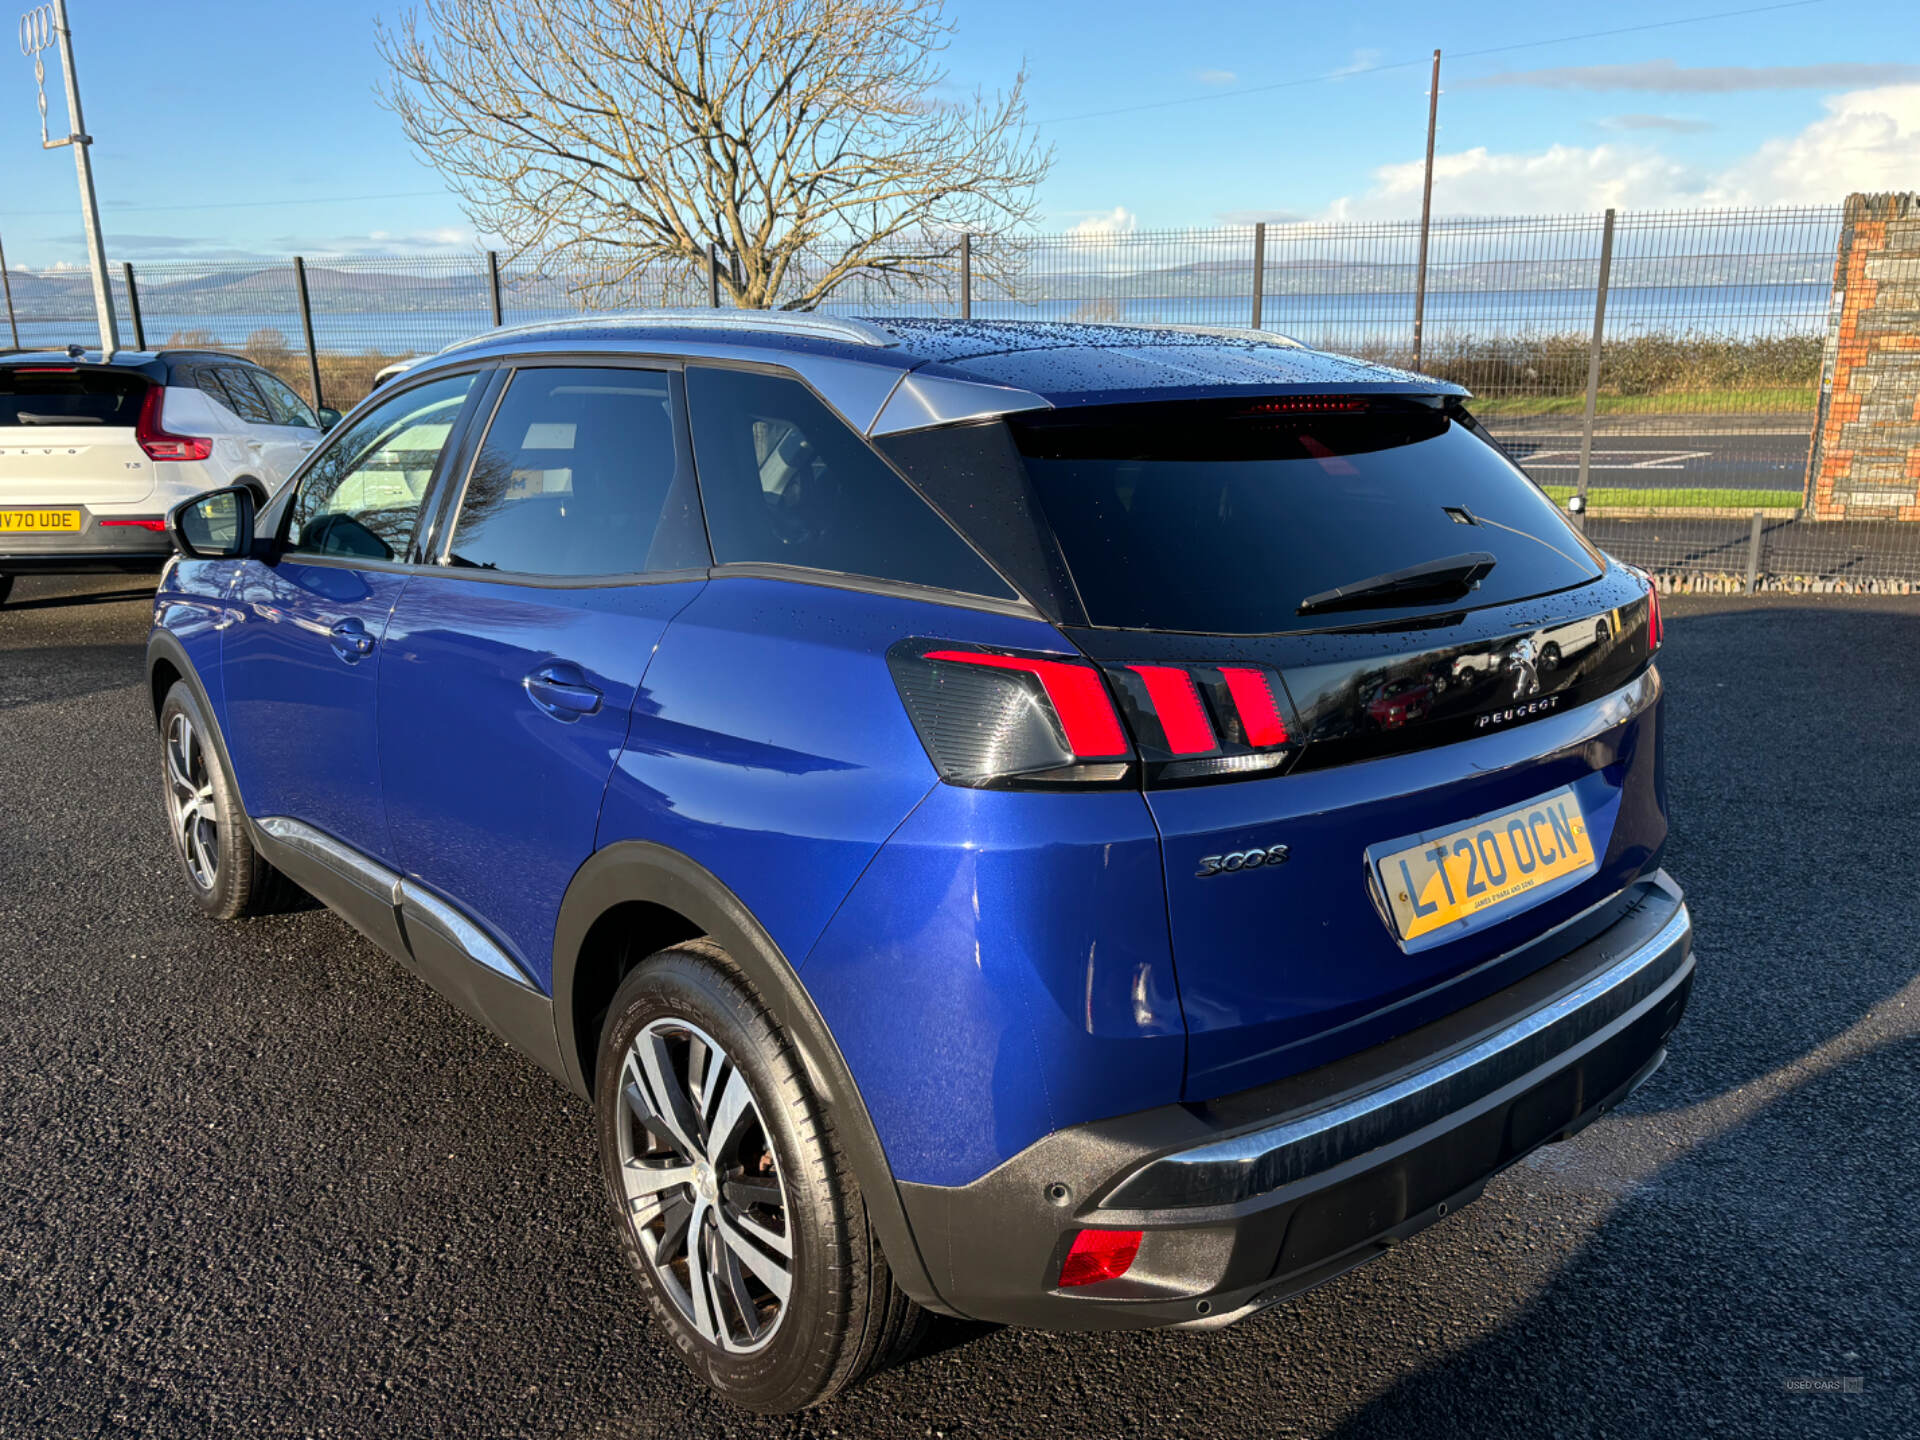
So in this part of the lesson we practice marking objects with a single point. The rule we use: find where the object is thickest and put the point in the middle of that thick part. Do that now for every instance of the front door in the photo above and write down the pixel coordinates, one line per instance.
(511, 663)
(300, 657)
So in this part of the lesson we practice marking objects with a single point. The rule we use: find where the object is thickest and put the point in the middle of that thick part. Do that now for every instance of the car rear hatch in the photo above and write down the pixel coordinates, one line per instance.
(1394, 715)
(67, 435)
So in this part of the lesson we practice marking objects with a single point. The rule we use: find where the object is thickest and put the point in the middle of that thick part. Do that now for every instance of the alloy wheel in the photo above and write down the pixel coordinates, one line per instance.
(196, 826)
(702, 1186)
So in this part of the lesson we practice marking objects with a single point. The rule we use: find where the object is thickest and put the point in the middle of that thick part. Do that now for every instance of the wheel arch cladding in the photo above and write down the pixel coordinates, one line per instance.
(672, 895)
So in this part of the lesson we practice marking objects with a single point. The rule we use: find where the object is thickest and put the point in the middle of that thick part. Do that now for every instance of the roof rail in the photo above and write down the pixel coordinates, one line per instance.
(778, 322)
(1234, 332)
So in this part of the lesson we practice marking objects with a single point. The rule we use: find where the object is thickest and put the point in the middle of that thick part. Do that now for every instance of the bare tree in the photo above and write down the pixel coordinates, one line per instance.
(809, 140)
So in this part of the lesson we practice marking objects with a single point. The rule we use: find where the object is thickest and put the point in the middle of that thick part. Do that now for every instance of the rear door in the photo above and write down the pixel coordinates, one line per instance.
(1328, 620)
(284, 431)
(67, 441)
(511, 663)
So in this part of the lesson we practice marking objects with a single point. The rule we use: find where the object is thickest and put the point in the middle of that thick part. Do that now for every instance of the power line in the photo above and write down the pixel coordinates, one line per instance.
(255, 204)
(1351, 70)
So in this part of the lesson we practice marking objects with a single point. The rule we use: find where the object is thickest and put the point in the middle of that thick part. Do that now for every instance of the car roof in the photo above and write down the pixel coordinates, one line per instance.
(142, 360)
(1059, 363)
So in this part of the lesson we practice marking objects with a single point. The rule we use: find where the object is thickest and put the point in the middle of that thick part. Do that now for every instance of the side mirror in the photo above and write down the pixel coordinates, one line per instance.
(329, 417)
(215, 526)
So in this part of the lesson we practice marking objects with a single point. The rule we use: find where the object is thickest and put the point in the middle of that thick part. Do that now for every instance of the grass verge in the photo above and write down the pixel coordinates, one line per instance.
(1611, 497)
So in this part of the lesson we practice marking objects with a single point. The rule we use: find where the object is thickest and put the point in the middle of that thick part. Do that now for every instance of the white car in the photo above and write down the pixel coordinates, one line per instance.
(94, 450)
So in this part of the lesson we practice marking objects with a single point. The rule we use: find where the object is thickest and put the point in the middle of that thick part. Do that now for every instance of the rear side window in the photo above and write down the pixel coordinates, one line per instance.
(580, 475)
(69, 395)
(786, 482)
(287, 407)
(248, 403)
(1224, 518)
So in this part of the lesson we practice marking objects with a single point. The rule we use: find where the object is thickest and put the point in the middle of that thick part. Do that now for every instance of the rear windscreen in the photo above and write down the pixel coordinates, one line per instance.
(1225, 518)
(58, 395)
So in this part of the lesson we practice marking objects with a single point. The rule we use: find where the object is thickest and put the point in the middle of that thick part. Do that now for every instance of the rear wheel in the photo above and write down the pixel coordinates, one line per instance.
(731, 1193)
(225, 874)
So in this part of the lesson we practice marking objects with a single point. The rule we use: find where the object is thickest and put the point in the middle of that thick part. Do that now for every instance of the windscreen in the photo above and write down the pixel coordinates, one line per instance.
(69, 395)
(1227, 518)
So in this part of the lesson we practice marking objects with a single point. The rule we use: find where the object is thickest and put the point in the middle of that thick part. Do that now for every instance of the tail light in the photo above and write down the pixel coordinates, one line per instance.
(1655, 632)
(1001, 718)
(160, 443)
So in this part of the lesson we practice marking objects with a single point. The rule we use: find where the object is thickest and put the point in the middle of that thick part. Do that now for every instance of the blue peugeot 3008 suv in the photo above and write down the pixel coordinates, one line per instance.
(1077, 826)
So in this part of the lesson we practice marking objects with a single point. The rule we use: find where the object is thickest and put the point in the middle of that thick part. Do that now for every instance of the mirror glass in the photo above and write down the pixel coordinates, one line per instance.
(211, 525)
(329, 417)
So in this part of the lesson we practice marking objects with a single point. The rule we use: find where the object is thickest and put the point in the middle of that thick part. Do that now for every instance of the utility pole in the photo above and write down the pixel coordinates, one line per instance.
(42, 27)
(1426, 212)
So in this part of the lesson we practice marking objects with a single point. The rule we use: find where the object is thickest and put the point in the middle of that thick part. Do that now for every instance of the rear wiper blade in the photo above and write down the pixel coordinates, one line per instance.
(1447, 578)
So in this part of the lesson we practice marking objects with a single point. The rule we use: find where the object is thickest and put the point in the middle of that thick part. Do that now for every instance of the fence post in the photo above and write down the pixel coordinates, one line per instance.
(6, 282)
(966, 276)
(713, 275)
(1259, 269)
(1753, 551)
(306, 326)
(493, 285)
(1593, 364)
(133, 307)
(1426, 212)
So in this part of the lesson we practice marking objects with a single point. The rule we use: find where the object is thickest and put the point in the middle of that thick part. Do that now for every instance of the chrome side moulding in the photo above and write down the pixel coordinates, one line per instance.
(342, 859)
(419, 907)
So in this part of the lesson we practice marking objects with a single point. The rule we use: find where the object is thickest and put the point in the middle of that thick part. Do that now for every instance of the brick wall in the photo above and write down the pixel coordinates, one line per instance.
(1865, 459)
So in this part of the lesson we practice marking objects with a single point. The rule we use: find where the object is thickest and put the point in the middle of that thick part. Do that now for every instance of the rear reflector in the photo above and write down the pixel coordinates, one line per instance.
(154, 525)
(1099, 1255)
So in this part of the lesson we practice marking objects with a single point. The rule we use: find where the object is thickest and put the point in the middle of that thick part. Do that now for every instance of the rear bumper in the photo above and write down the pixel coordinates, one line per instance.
(1256, 1197)
(93, 547)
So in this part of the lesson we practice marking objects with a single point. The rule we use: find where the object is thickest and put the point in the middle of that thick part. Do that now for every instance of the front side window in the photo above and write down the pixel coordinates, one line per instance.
(580, 475)
(361, 496)
(285, 407)
(786, 482)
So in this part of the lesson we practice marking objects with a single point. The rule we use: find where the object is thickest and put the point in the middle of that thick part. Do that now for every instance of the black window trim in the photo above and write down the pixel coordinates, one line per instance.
(277, 516)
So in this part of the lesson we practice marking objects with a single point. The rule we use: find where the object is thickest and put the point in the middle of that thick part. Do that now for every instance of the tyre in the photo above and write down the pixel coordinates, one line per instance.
(224, 873)
(731, 1194)
(1550, 656)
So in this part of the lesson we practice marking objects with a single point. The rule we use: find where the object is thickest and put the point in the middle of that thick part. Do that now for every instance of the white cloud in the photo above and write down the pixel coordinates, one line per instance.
(1216, 77)
(1868, 140)
(1363, 61)
(1678, 124)
(1105, 224)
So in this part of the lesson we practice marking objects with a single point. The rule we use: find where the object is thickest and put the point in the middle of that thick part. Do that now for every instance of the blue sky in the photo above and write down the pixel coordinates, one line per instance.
(239, 127)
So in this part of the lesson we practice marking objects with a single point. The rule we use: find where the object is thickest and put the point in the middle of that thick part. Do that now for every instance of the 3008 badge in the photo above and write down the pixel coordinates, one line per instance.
(1241, 860)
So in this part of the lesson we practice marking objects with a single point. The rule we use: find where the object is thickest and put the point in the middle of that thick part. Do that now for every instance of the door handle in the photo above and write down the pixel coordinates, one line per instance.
(562, 691)
(350, 640)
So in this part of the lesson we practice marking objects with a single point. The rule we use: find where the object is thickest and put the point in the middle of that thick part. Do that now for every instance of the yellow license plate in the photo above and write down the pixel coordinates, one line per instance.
(1454, 877)
(40, 522)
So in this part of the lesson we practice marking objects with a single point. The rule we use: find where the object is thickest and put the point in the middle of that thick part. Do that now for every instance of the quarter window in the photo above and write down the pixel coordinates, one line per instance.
(361, 495)
(579, 475)
(786, 482)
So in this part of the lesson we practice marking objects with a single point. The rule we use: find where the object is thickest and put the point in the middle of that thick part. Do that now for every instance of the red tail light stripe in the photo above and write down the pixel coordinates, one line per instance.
(1176, 700)
(1655, 632)
(1078, 695)
(1259, 713)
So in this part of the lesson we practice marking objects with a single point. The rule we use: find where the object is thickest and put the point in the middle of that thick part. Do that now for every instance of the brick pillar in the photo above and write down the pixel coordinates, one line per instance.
(1865, 459)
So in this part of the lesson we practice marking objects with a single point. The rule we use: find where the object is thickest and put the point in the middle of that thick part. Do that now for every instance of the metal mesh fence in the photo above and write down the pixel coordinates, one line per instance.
(1704, 400)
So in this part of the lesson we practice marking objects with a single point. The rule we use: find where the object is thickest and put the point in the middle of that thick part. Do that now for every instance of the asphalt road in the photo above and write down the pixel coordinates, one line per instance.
(256, 1181)
(1707, 459)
